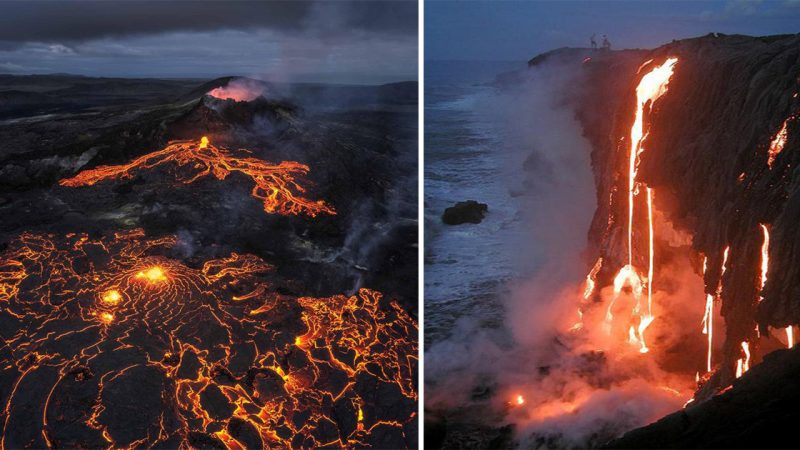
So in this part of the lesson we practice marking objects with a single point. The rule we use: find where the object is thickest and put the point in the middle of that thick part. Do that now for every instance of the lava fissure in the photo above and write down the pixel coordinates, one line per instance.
(276, 185)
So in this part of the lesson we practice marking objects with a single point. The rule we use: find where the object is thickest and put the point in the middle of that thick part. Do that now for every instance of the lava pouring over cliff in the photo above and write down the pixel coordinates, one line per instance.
(650, 88)
(616, 356)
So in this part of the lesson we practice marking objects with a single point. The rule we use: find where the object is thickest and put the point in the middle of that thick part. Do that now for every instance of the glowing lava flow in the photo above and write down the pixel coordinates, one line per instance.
(588, 290)
(708, 327)
(763, 279)
(708, 316)
(276, 185)
(743, 364)
(777, 143)
(591, 279)
(649, 262)
(112, 343)
(764, 260)
(651, 87)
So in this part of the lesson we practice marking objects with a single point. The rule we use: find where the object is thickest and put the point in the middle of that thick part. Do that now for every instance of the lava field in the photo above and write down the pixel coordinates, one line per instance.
(190, 294)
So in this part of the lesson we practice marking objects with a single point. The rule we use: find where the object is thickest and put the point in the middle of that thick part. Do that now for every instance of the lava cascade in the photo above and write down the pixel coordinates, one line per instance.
(722, 151)
(650, 88)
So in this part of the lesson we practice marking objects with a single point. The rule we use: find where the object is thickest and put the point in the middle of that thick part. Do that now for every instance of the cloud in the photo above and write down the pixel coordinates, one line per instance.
(360, 57)
(57, 49)
(340, 41)
(75, 21)
(743, 7)
(11, 67)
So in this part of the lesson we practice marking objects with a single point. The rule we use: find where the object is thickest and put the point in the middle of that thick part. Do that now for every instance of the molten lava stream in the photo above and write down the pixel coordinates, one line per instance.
(777, 143)
(708, 317)
(743, 364)
(276, 185)
(764, 260)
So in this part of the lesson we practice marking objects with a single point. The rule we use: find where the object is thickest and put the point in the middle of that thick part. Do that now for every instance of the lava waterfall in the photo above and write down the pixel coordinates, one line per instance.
(695, 156)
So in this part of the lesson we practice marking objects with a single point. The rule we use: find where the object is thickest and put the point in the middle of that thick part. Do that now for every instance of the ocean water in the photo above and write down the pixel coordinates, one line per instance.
(466, 266)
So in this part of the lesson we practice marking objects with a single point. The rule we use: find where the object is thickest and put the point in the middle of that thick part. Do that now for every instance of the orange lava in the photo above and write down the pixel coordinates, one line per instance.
(777, 143)
(106, 317)
(310, 374)
(650, 88)
(276, 185)
(111, 297)
(743, 364)
(764, 259)
(591, 279)
(708, 316)
(152, 274)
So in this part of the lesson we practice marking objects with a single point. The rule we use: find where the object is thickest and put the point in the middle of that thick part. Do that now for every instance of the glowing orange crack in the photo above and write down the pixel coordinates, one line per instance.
(777, 143)
(381, 340)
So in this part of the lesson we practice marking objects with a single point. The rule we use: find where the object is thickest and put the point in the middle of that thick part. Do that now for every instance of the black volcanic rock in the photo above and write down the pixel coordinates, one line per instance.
(221, 120)
(759, 411)
(469, 211)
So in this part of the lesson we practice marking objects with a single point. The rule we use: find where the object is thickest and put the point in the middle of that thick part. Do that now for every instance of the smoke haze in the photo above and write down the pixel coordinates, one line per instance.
(307, 41)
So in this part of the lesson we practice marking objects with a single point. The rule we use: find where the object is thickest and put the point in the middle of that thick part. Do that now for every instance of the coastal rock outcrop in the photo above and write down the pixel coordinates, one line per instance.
(469, 211)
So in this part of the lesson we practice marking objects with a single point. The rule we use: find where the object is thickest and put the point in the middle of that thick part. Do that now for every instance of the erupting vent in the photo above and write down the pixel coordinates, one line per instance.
(100, 330)
(276, 185)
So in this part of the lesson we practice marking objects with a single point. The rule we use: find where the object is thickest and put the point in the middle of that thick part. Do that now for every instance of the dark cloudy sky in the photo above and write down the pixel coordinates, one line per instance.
(328, 41)
(515, 30)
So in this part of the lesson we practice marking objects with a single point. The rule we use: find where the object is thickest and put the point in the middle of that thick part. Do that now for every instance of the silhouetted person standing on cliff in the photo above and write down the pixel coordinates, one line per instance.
(606, 43)
(593, 42)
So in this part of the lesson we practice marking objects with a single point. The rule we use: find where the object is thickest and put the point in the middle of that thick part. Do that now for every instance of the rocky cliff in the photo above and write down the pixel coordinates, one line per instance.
(720, 152)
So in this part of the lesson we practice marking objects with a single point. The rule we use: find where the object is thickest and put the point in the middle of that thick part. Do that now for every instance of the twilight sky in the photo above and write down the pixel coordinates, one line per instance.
(519, 30)
(322, 41)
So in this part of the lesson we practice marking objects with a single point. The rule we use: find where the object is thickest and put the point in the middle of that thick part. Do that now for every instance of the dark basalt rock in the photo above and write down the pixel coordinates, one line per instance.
(469, 211)
(759, 411)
